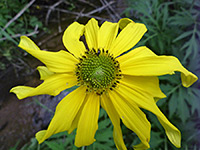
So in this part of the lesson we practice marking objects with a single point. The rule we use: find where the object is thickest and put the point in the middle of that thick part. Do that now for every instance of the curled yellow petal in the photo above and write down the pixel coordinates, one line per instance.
(71, 39)
(146, 63)
(39, 135)
(44, 72)
(124, 22)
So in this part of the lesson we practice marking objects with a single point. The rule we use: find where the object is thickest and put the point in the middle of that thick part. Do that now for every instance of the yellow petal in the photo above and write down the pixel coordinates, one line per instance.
(44, 72)
(88, 122)
(65, 113)
(114, 117)
(146, 84)
(53, 85)
(61, 61)
(91, 33)
(124, 22)
(107, 34)
(128, 38)
(138, 52)
(145, 101)
(76, 119)
(132, 117)
(71, 39)
(39, 135)
(157, 66)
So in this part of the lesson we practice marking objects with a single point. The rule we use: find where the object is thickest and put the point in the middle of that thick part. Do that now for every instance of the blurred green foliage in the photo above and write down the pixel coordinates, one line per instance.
(173, 29)
(25, 24)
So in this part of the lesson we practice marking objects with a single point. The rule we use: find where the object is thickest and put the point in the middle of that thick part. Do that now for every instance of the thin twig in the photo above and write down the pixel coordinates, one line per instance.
(18, 35)
(59, 24)
(100, 8)
(87, 2)
(19, 14)
(80, 14)
(117, 16)
(50, 9)
(108, 10)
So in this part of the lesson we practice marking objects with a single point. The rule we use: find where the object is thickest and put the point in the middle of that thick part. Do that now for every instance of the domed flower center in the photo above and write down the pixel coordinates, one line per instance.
(98, 70)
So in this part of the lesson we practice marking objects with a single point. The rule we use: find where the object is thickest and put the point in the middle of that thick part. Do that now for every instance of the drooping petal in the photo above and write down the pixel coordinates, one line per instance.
(107, 34)
(157, 66)
(53, 85)
(132, 117)
(44, 72)
(65, 113)
(88, 122)
(61, 61)
(145, 100)
(71, 39)
(91, 33)
(149, 84)
(128, 38)
(114, 117)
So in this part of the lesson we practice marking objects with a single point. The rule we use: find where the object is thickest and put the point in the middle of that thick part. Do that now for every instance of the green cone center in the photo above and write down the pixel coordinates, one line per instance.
(98, 71)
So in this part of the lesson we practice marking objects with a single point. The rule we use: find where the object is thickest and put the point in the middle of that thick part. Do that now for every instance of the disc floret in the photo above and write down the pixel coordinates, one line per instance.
(98, 70)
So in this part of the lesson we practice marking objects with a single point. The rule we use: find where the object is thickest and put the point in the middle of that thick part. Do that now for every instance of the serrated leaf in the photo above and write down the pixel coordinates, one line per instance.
(183, 109)
(104, 123)
(195, 100)
(104, 135)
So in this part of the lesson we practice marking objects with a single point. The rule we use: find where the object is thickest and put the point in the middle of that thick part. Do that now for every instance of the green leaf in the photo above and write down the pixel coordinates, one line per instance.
(182, 107)
(156, 139)
(184, 35)
(173, 103)
(8, 36)
(54, 145)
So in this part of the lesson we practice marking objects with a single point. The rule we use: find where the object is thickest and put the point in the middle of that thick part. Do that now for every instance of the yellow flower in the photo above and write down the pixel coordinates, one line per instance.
(121, 84)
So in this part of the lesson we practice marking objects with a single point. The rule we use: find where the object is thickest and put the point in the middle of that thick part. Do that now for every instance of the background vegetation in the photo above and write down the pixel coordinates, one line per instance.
(173, 29)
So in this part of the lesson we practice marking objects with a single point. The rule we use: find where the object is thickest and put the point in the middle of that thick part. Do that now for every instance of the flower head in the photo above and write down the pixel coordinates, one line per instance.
(121, 84)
